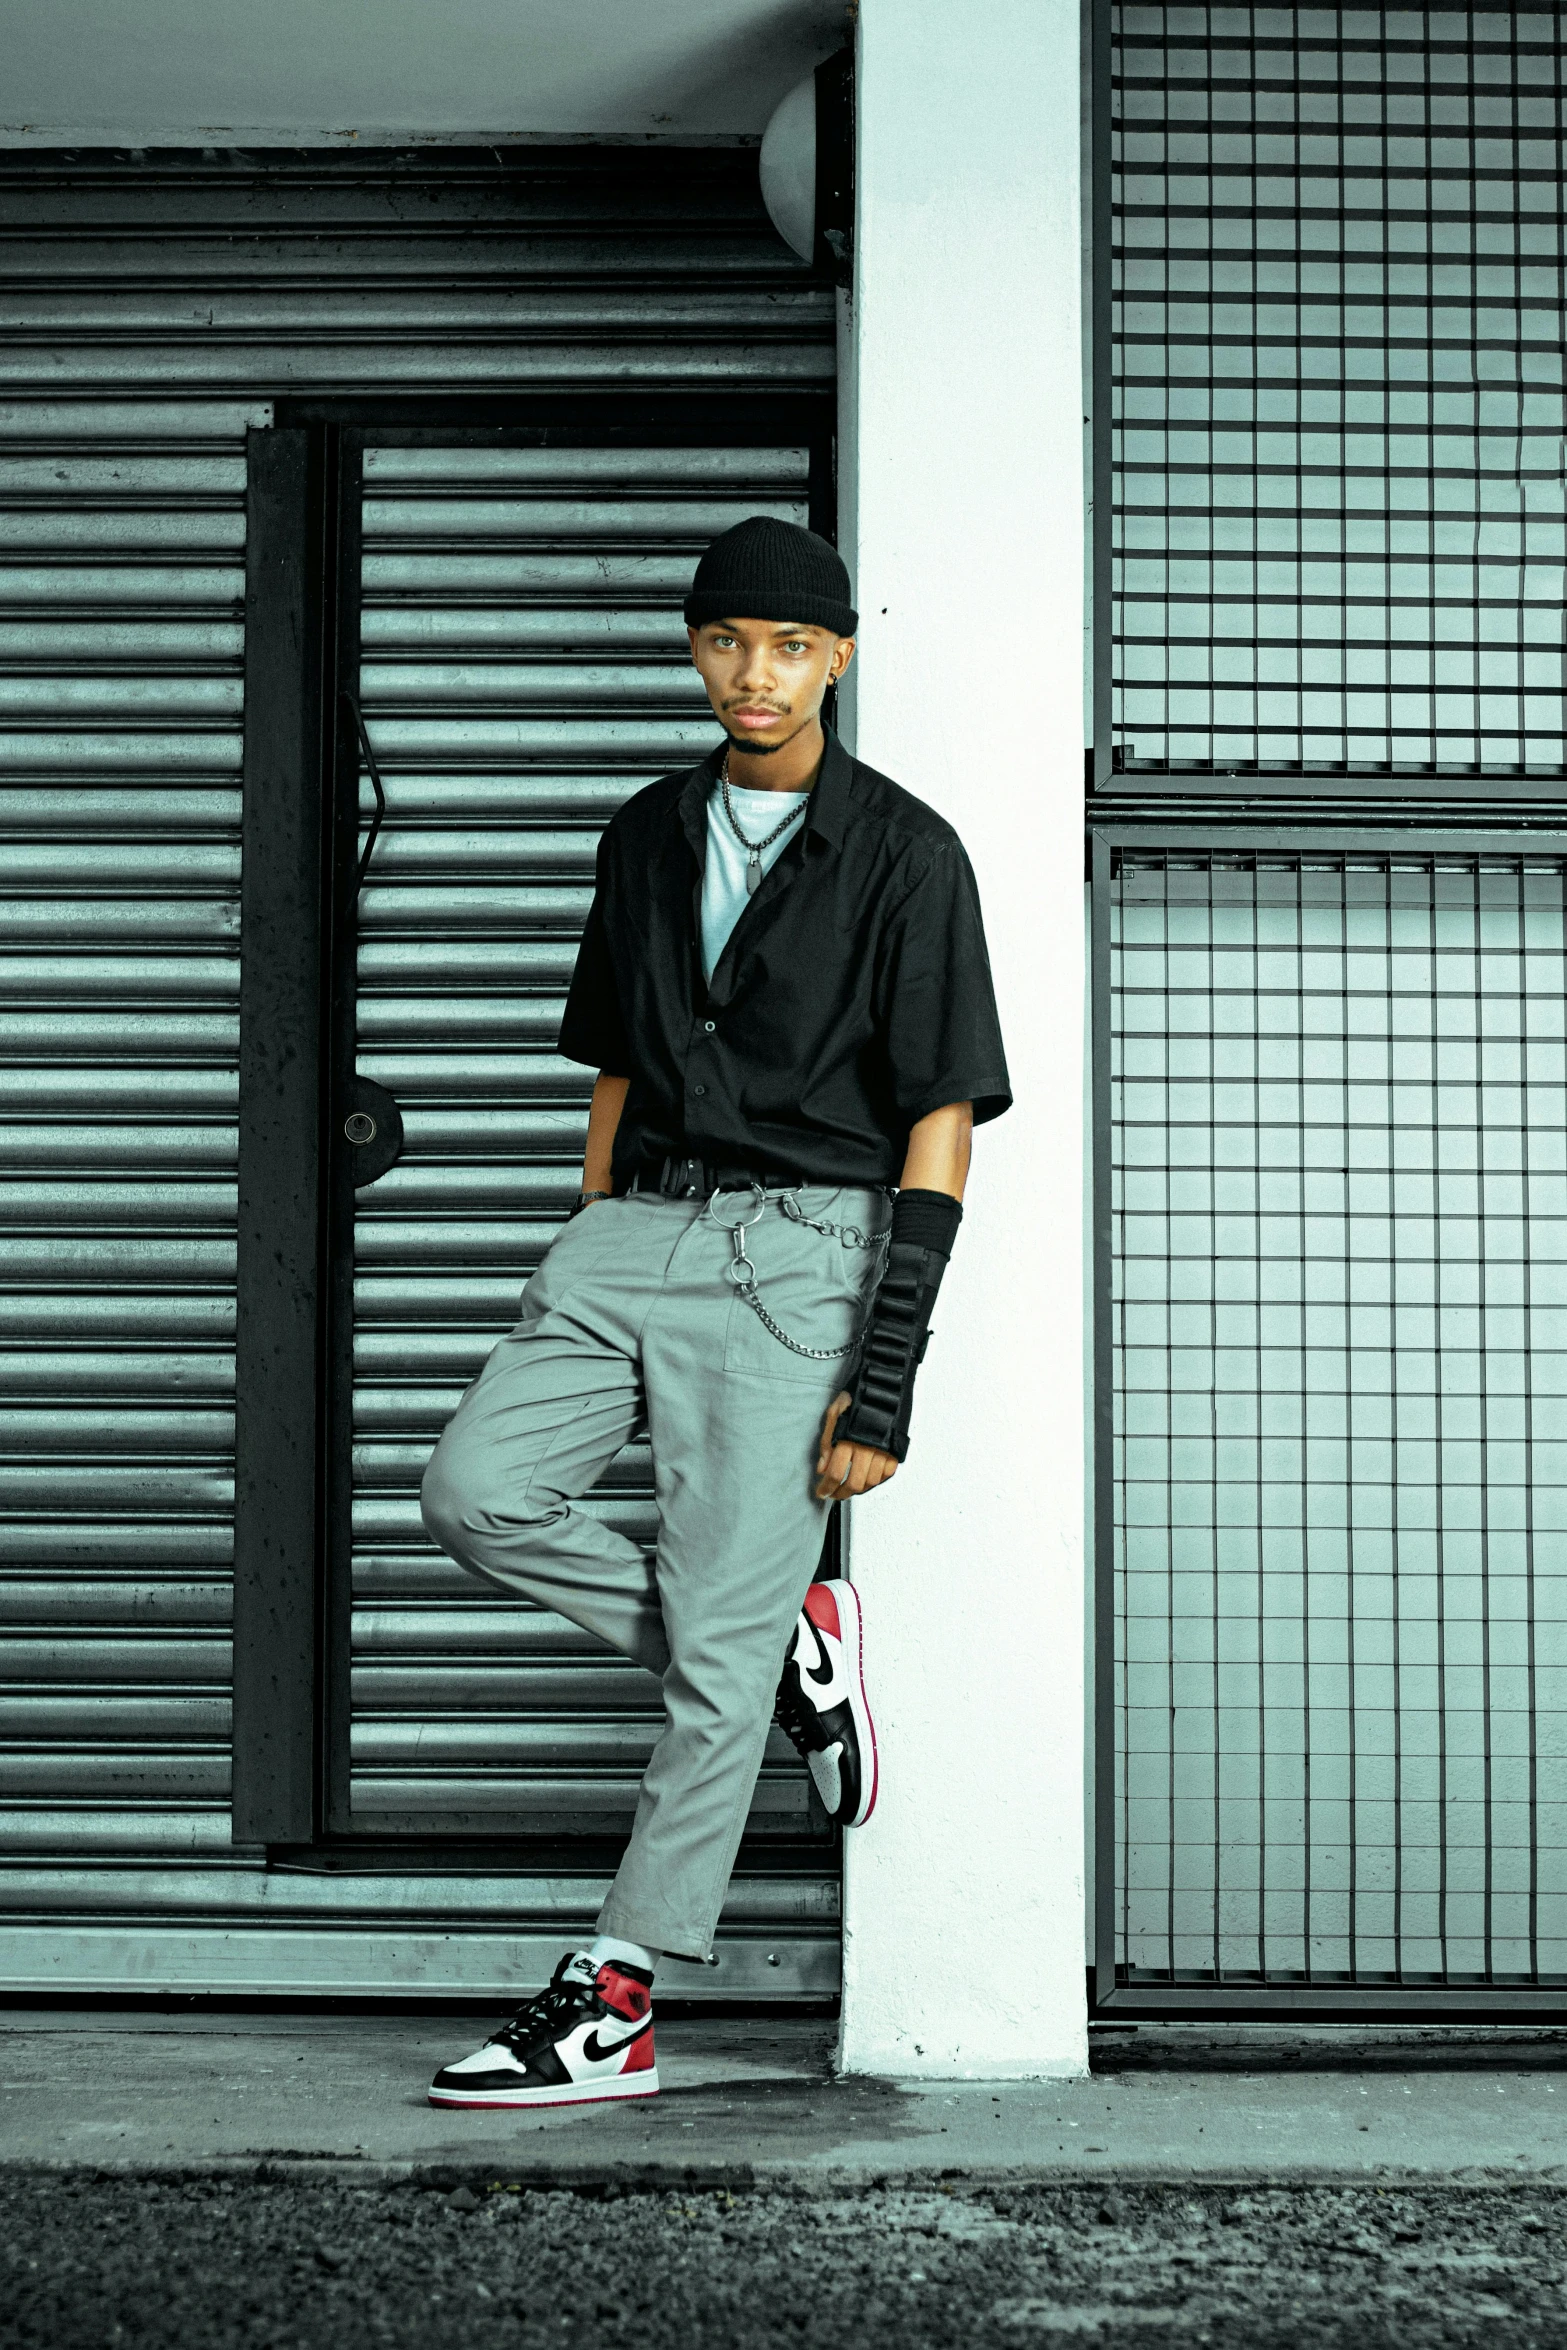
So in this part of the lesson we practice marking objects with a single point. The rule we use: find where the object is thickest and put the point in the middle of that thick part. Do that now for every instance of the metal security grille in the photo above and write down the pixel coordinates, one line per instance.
(1338, 1220)
(523, 670)
(1337, 398)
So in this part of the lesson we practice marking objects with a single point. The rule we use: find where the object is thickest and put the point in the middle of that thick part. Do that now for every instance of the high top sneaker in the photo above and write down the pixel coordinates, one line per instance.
(822, 1703)
(589, 2036)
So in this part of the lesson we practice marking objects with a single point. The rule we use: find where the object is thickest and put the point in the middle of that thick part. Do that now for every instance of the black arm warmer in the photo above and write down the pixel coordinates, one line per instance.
(924, 1226)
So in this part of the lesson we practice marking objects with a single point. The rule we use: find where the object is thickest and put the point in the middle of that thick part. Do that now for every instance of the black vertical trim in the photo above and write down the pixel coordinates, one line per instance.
(822, 513)
(276, 1465)
(345, 491)
(1101, 520)
(1104, 1941)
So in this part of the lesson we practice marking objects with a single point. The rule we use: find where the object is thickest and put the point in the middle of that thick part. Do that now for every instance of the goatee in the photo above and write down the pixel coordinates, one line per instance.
(751, 750)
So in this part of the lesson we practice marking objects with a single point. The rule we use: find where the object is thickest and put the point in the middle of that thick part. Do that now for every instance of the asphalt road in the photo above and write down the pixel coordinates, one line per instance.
(107, 2262)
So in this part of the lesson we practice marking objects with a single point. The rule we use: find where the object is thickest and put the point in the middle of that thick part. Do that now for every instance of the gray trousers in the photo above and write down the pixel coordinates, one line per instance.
(632, 1322)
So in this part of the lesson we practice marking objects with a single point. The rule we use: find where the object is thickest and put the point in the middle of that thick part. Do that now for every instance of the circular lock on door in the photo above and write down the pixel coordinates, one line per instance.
(373, 1129)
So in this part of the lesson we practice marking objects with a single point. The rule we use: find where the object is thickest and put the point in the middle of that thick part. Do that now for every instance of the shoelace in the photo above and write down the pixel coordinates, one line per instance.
(543, 2012)
(795, 1715)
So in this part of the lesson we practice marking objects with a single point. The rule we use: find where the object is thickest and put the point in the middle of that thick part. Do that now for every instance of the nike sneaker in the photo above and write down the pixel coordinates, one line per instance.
(588, 2037)
(822, 1705)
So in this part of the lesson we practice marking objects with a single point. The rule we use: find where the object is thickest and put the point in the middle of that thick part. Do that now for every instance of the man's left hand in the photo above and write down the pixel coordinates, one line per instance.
(843, 1470)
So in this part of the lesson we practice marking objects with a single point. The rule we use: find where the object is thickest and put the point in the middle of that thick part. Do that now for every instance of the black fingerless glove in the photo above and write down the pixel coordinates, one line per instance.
(924, 1226)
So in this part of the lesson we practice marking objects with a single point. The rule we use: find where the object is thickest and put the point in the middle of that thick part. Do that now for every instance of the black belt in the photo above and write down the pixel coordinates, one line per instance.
(700, 1178)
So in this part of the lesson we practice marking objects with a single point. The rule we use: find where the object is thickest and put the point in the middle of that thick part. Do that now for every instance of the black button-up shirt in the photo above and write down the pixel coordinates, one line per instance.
(853, 996)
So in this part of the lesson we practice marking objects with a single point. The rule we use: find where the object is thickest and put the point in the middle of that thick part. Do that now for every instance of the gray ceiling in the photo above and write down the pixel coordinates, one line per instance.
(177, 72)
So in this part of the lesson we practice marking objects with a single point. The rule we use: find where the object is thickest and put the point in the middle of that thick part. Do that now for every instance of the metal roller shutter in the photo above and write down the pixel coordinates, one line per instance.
(523, 669)
(120, 634)
(197, 293)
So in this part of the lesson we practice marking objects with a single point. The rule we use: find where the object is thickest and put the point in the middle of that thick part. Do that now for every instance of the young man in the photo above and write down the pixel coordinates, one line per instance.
(784, 989)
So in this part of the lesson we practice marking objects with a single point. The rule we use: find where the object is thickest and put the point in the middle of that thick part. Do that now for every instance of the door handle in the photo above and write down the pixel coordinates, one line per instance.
(376, 785)
(373, 1125)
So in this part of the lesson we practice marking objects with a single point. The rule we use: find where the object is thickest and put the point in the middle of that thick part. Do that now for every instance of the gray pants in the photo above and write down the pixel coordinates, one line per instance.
(632, 1322)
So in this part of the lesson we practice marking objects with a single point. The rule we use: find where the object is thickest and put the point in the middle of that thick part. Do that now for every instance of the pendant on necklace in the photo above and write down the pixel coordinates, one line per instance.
(753, 874)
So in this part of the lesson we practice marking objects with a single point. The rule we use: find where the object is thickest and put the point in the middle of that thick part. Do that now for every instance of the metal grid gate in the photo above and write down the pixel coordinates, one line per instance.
(1329, 442)
(1330, 341)
(1338, 1152)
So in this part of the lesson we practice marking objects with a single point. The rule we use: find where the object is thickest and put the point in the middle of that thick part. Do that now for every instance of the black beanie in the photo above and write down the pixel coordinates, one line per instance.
(769, 570)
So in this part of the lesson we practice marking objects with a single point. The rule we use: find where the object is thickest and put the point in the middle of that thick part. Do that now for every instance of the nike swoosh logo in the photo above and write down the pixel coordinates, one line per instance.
(830, 1672)
(595, 2052)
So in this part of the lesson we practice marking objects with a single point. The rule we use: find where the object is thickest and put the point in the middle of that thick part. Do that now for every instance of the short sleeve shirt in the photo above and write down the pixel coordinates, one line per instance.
(852, 997)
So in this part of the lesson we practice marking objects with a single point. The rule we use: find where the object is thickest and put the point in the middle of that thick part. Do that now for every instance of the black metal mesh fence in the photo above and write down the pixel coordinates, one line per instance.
(1338, 424)
(1339, 1241)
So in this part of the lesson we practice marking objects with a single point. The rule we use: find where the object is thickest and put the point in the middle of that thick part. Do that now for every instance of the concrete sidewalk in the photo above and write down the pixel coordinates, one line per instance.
(755, 2102)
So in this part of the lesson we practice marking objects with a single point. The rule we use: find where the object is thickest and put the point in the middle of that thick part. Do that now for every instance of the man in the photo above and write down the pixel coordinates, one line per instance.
(784, 989)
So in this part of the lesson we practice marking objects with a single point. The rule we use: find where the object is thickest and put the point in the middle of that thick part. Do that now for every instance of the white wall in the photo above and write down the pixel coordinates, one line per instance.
(964, 525)
(313, 72)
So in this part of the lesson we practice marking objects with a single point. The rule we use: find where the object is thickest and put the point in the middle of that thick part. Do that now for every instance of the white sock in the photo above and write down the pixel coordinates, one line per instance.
(605, 1950)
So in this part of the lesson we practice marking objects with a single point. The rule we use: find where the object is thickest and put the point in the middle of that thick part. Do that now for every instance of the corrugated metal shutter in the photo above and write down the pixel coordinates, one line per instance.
(196, 293)
(120, 637)
(523, 670)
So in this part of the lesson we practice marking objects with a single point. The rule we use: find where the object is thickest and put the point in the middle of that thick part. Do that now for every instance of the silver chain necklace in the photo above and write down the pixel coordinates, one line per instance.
(753, 848)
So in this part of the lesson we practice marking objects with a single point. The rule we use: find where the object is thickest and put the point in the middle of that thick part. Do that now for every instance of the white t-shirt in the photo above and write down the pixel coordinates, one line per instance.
(723, 878)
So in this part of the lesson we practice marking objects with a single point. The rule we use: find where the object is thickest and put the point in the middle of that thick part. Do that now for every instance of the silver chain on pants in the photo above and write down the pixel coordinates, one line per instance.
(743, 1273)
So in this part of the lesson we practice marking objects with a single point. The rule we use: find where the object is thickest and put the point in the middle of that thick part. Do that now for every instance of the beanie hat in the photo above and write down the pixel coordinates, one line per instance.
(769, 570)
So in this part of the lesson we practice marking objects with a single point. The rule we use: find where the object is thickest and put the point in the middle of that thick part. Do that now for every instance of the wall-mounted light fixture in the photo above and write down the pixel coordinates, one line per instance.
(807, 167)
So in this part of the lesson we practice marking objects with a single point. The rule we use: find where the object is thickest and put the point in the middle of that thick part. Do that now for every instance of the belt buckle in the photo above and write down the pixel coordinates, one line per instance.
(683, 1178)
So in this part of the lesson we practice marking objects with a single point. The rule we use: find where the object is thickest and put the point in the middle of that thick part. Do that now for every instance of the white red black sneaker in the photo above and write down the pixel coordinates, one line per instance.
(589, 2036)
(822, 1703)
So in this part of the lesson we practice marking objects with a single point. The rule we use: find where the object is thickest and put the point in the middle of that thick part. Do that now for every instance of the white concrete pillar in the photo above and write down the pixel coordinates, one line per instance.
(963, 522)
